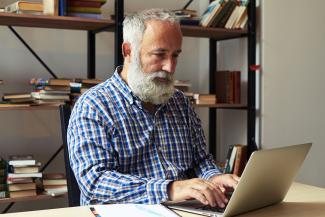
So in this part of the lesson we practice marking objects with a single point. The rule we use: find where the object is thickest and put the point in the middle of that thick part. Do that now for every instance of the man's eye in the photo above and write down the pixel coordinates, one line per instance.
(160, 55)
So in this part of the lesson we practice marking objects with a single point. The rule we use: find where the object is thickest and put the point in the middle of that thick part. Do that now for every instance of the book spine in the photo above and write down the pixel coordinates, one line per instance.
(62, 10)
(84, 4)
(84, 10)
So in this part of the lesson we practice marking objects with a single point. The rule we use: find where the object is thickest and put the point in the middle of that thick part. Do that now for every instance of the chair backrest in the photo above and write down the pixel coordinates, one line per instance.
(73, 188)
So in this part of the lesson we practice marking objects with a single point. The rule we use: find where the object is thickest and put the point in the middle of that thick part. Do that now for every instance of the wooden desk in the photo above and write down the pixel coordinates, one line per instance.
(301, 201)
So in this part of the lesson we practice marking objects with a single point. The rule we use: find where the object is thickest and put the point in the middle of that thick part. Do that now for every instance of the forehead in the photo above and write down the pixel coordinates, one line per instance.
(162, 34)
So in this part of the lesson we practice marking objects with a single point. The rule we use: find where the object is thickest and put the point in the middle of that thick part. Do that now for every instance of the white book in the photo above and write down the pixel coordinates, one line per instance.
(30, 162)
(24, 175)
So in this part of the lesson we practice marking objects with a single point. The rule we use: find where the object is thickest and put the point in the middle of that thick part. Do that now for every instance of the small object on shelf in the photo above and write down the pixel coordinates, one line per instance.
(1, 81)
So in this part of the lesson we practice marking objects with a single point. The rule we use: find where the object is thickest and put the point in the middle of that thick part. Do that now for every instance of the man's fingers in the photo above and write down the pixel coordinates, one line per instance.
(196, 194)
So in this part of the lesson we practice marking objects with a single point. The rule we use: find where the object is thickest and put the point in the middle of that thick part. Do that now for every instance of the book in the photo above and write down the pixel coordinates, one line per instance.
(240, 159)
(227, 11)
(24, 175)
(210, 13)
(24, 6)
(59, 81)
(84, 10)
(205, 98)
(228, 87)
(85, 15)
(11, 180)
(91, 4)
(62, 8)
(45, 96)
(25, 193)
(22, 186)
(50, 7)
(25, 169)
(21, 160)
(232, 160)
(47, 182)
(101, 1)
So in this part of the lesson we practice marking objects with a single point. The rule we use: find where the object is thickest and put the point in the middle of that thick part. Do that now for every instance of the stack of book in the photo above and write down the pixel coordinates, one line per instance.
(50, 91)
(230, 14)
(85, 8)
(54, 184)
(228, 87)
(236, 159)
(25, 7)
(205, 99)
(3, 178)
(23, 170)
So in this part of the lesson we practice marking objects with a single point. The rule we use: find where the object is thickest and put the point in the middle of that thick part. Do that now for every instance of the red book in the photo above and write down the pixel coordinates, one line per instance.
(91, 4)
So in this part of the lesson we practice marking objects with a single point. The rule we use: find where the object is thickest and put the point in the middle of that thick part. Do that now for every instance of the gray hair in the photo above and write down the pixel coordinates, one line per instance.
(134, 25)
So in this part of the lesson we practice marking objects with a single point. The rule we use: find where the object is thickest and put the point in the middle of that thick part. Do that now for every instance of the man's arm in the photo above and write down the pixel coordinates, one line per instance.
(95, 163)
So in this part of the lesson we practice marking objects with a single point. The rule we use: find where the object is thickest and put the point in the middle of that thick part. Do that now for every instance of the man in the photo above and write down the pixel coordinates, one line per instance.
(134, 138)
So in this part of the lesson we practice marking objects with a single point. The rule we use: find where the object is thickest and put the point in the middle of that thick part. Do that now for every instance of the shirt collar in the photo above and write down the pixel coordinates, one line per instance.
(122, 87)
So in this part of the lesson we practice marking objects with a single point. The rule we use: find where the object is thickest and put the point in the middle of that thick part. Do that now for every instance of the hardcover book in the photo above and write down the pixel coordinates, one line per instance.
(24, 6)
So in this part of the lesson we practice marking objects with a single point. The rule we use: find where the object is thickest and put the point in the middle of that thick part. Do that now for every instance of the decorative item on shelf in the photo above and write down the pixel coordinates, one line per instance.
(25, 7)
(23, 170)
(1, 81)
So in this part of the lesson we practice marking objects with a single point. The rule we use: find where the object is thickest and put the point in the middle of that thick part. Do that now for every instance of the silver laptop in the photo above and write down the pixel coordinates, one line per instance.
(266, 180)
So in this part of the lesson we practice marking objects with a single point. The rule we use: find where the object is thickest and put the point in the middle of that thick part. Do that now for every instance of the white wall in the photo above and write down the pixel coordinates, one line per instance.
(293, 103)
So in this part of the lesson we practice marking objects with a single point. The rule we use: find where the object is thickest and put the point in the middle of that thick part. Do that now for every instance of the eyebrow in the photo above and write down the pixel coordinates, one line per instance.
(165, 50)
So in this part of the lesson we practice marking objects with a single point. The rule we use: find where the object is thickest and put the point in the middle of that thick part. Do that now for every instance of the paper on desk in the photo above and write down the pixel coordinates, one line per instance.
(134, 210)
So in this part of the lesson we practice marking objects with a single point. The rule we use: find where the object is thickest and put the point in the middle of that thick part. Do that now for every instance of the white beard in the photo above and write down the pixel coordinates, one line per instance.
(144, 86)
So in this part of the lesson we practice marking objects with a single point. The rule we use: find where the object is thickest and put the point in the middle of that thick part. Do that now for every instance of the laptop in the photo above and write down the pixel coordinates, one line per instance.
(265, 181)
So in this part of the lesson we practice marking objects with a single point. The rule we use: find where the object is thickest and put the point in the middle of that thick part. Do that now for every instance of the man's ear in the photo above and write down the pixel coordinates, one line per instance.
(126, 51)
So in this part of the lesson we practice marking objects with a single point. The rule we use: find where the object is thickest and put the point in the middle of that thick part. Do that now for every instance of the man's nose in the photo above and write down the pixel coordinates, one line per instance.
(169, 65)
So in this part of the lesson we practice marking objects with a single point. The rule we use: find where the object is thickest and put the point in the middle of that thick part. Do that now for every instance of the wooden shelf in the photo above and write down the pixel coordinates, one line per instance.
(56, 22)
(214, 33)
(10, 107)
(222, 106)
(29, 198)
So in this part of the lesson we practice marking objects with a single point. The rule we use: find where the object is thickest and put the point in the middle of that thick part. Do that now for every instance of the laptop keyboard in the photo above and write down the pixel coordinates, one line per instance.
(210, 208)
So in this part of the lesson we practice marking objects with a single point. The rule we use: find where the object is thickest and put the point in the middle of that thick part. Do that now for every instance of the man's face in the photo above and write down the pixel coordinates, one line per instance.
(151, 69)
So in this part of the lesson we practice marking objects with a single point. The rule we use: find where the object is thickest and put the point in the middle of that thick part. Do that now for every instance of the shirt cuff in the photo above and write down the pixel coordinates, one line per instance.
(211, 173)
(157, 191)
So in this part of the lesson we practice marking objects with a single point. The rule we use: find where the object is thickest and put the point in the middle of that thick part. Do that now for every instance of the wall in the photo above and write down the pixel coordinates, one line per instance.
(293, 105)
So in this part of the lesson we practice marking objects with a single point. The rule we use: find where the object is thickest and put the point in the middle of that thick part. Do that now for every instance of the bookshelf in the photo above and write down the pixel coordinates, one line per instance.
(32, 198)
(54, 22)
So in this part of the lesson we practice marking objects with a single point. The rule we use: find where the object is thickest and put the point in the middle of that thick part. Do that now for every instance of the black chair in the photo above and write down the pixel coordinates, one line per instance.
(73, 188)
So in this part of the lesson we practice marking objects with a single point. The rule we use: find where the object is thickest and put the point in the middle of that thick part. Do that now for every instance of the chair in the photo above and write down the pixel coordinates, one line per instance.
(73, 188)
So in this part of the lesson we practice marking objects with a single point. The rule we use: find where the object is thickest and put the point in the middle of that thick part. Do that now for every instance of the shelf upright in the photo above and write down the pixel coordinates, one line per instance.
(251, 91)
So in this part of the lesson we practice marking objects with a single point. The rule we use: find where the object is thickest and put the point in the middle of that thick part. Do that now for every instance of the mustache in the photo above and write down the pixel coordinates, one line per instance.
(160, 74)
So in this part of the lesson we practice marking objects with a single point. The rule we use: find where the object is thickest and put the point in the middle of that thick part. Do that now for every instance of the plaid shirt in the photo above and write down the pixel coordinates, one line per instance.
(121, 153)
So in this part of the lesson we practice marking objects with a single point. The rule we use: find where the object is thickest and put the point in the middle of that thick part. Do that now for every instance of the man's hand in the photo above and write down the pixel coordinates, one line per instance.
(225, 181)
(202, 190)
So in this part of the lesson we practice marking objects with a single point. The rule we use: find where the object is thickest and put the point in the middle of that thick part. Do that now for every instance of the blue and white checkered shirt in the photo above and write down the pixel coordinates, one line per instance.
(121, 153)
